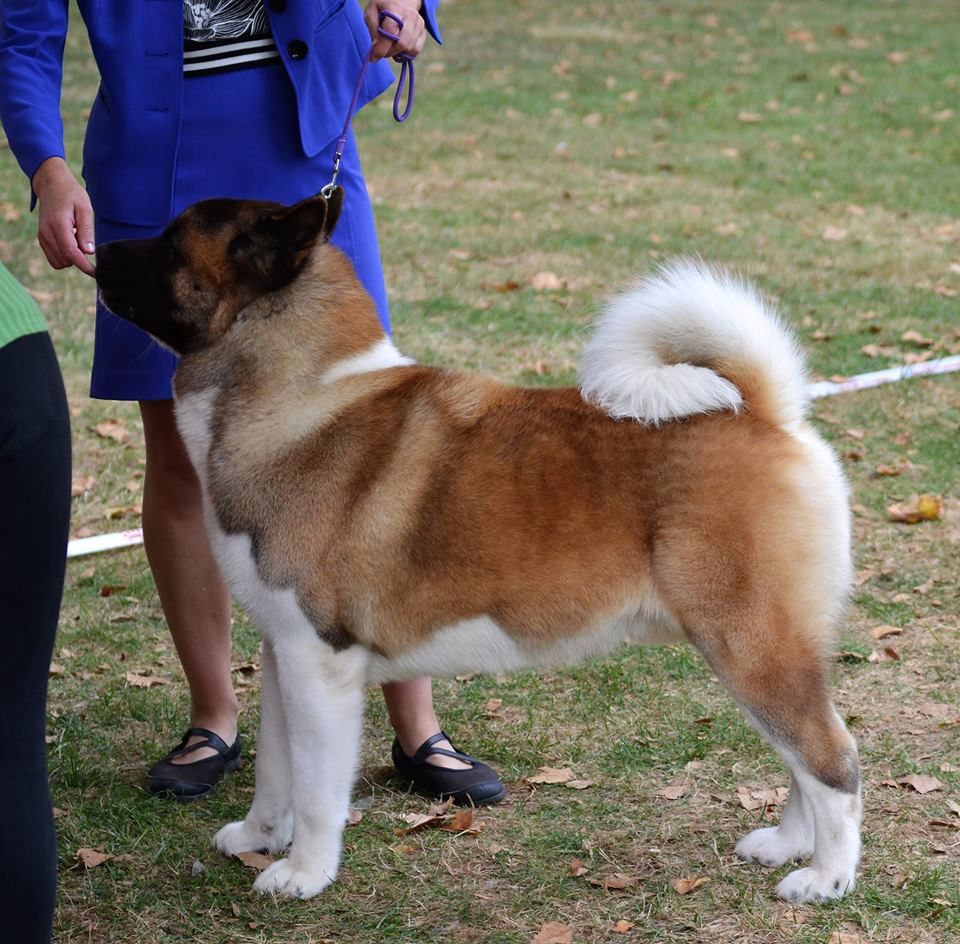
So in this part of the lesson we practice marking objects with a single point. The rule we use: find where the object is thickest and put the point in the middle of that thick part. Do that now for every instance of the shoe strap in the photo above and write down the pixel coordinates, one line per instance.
(211, 739)
(427, 749)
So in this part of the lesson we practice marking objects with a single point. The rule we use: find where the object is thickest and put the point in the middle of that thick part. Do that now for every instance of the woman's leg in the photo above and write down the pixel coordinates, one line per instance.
(34, 519)
(194, 598)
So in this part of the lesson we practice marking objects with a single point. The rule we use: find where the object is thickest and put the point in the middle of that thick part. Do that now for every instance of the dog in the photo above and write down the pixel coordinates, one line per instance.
(382, 520)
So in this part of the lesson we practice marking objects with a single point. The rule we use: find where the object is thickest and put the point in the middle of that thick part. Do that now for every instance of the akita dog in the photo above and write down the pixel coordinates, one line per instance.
(381, 520)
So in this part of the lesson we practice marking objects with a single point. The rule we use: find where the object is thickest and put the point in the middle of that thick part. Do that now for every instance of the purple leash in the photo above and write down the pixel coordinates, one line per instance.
(406, 69)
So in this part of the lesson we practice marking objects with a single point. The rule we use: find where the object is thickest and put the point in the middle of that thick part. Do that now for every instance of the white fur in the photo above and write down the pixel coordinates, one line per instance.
(312, 710)
(654, 350)
(382, 356)
(463, 647)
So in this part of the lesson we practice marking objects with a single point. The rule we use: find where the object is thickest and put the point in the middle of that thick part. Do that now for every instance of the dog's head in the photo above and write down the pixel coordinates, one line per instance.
(187, 286)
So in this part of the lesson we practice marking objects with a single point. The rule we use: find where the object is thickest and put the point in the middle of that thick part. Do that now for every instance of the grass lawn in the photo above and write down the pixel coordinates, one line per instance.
(556, 151)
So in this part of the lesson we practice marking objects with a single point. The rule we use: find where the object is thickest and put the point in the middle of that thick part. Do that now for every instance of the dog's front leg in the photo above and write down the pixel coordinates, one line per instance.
(268, 825)
(322, 695)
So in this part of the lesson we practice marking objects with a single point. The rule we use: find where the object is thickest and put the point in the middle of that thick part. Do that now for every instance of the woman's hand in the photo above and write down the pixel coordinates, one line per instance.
(65, 230)
(411, 38)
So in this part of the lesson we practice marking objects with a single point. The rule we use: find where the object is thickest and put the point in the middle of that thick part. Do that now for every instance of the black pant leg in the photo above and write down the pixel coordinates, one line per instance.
(34, 523)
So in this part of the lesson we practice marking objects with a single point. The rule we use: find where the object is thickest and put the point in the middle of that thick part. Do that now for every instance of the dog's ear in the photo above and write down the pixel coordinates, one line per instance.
(277, 246)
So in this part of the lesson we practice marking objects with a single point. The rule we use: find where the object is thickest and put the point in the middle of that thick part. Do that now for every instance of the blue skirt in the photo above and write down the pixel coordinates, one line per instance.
(239, 138)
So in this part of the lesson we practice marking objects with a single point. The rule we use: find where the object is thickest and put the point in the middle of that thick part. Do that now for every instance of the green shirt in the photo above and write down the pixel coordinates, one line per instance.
(19, 314)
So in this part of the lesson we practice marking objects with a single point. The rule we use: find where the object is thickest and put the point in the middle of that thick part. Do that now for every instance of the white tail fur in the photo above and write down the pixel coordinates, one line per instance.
(690, 340)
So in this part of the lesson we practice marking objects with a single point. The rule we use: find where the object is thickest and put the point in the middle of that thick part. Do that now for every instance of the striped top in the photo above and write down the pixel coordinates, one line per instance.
(19, 314)
(223, 35)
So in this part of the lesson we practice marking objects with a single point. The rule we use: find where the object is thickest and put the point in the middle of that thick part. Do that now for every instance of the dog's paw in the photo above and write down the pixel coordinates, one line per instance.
(284, 878)
(815, 885)
(773, 847)
(247, 837)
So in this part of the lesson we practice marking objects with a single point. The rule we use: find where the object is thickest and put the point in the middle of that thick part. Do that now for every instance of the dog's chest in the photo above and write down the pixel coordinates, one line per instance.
(234, 552)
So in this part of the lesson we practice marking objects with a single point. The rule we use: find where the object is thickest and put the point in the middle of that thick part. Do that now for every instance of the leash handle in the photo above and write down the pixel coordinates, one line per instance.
(406, 73)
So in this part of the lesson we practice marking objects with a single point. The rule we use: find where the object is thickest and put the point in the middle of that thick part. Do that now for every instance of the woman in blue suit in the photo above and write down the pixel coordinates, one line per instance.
(220, 98)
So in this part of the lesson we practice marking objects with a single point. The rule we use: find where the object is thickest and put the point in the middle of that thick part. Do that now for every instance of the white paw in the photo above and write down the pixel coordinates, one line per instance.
(283, 878)
(772, 847)
(246, 837)
(814, 885)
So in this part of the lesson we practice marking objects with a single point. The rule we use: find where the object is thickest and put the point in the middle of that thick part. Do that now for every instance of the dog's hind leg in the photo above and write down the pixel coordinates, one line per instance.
(268, 826)
(779, 680)
(322, 695)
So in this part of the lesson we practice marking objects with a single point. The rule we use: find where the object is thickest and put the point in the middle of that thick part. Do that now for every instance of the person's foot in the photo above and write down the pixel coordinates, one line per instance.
(469, 782)
(195, 766)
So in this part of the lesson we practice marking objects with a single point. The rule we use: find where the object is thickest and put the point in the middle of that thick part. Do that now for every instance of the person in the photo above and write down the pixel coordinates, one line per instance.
(221, 98)
(34, 521)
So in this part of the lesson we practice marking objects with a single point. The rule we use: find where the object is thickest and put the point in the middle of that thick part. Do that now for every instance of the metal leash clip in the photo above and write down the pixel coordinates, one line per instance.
(406, 72)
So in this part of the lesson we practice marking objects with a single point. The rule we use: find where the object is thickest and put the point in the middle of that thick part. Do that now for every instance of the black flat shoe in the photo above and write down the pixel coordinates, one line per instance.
(476, 785)
(192, 781)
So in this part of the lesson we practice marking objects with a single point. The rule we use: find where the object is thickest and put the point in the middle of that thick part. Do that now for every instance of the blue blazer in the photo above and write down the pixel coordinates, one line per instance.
(131, 141)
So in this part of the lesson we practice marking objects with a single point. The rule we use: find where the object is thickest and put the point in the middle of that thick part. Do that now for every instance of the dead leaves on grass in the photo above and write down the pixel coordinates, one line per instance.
(916, 509)
(113, 429)
(684, 886)
(254, 860)
(551, 776)
(553, 933)
(920, 783)
(440, 817)
(752, 800)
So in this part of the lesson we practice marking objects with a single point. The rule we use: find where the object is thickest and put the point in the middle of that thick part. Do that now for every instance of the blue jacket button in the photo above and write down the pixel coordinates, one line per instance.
(297, 49)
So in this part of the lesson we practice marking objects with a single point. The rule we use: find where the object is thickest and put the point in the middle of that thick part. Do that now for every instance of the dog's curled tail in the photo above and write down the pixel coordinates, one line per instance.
(690, 339)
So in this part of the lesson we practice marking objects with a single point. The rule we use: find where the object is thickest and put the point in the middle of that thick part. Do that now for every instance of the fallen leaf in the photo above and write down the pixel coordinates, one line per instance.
(922, 783)
(145, 681)
(882, 471)
(109, 589)
(915, 337)
(254, 860)
(615, 883)
(553, 933)
(879, 350)
(755, 799)
(672, 792)
(683, 886)
(577, 868)
(834, 234)
(493, 706)
(749, 117)
(551, 775)
(91, 858)
(578, 784)
(917, 509)
(882, 632)
(622, 927)
(887, 654)
(461, 822)
(56, 668)
(112, 429)
(354, 817)
(846, 937)
(81, 484)
(546, 282)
